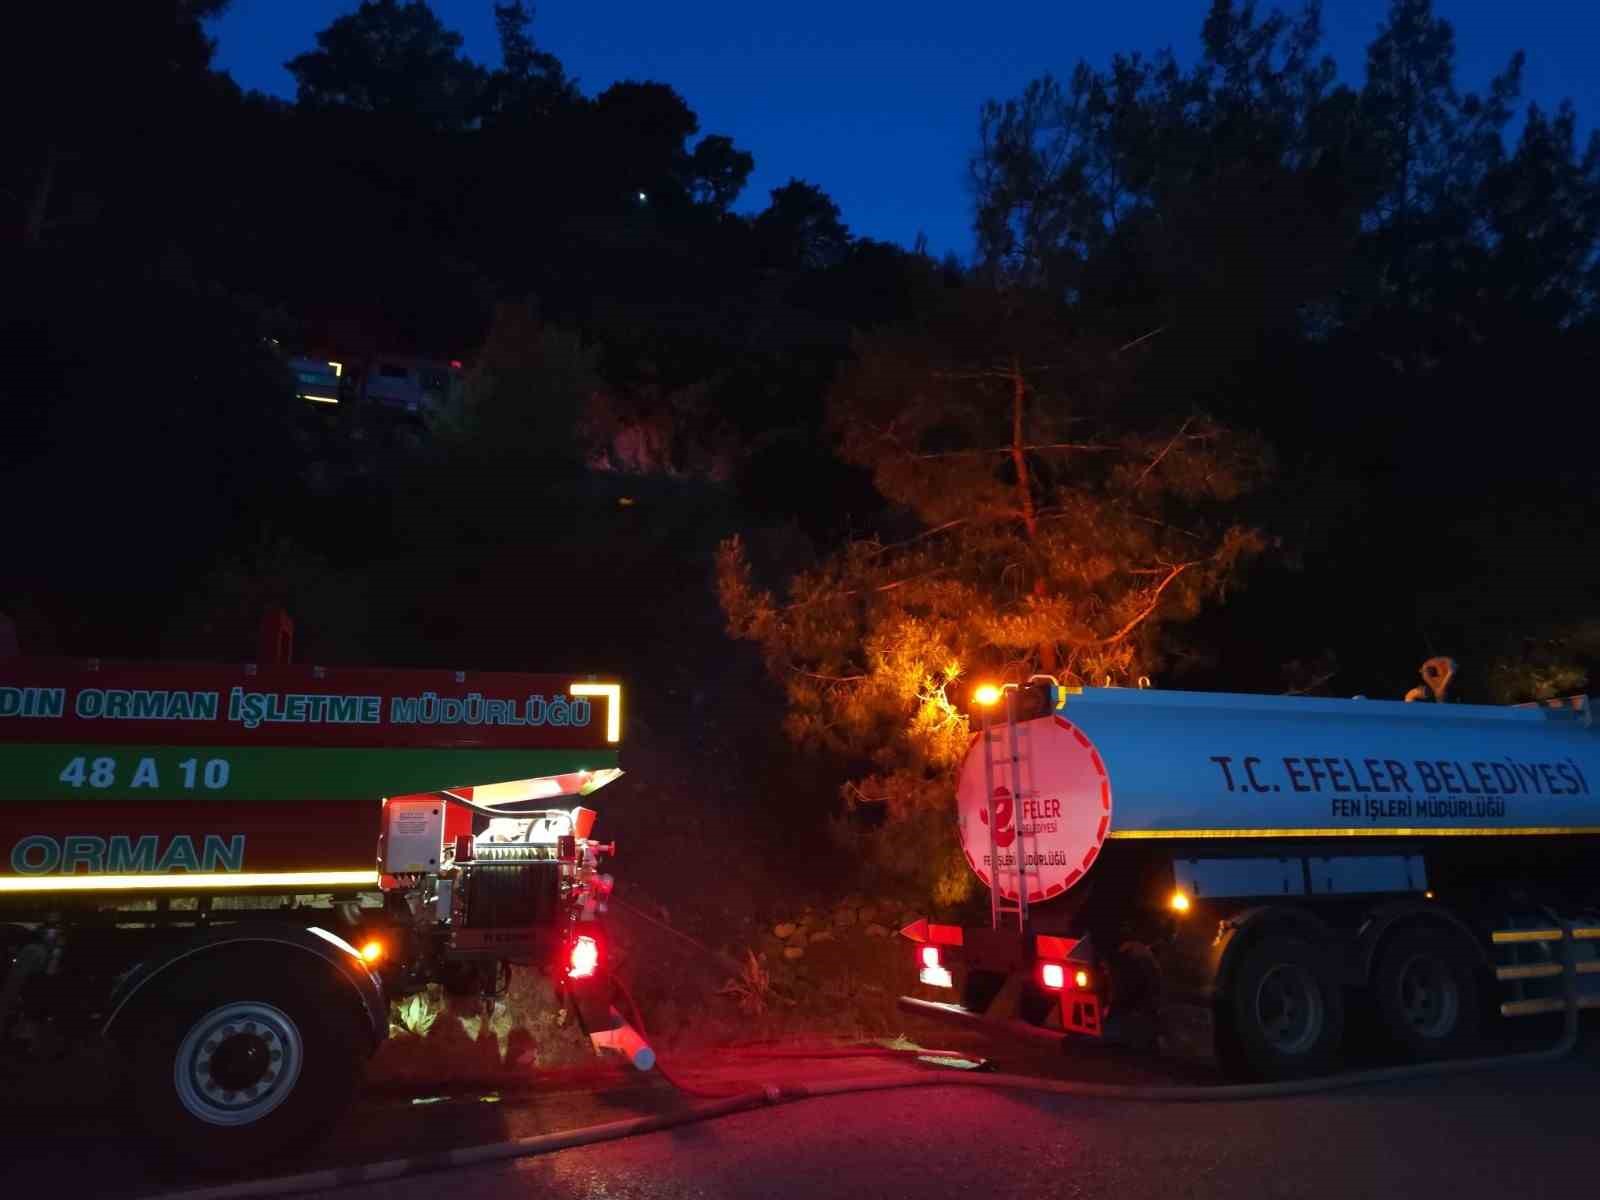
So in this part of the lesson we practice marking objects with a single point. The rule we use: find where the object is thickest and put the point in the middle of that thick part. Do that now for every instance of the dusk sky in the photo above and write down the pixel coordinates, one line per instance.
(876, 101)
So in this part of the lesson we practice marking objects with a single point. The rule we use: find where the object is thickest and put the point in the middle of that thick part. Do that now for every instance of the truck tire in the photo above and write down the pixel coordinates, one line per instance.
(1286, 1010)
(237, 1060)
(1426, 992)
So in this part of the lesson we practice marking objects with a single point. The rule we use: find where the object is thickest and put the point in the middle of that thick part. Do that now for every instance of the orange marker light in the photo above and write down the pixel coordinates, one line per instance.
(371, 951)
(1179, 902)
(1081, 980)
(986, 695)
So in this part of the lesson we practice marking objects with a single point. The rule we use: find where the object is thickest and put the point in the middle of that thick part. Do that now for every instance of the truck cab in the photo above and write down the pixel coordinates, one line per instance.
(317, 380)
(426, 389)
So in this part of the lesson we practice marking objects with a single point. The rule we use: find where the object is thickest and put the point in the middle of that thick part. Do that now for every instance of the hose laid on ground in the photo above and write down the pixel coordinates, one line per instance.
(758, 1097)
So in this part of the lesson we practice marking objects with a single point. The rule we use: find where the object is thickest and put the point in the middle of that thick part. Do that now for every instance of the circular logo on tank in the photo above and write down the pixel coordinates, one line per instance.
(1052, 828)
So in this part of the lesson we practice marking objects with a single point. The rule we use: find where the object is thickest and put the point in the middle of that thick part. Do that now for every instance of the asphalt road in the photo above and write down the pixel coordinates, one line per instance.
(1521, 1132)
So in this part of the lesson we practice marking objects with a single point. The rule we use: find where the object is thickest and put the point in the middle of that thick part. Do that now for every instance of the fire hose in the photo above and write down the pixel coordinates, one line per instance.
(759, 1095)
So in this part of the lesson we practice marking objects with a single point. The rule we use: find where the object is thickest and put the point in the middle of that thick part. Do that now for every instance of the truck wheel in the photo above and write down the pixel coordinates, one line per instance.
(1426, 993)
(244, 1060)
(1287, 1009)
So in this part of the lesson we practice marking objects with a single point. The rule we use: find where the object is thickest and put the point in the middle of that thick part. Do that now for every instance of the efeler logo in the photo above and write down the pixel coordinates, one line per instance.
(1004, 810)
(1061, 816)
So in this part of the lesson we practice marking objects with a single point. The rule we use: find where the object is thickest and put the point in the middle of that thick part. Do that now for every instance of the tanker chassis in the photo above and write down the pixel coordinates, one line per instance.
(1228, 877)
(224, 875)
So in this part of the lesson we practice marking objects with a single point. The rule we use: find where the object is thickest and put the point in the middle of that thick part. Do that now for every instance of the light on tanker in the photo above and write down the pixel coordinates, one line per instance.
(1179, 902)
(1080, 980)
(930, 956)
(371, 951)
(1053, 976)
(583, 959)
(933, 973)
(986, 695)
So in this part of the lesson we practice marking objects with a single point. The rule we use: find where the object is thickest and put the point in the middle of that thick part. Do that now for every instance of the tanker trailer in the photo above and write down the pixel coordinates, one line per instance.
(224, 874)
(1220, 875)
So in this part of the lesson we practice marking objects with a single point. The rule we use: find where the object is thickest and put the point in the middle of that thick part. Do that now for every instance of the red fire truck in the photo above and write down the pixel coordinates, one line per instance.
(228, 872)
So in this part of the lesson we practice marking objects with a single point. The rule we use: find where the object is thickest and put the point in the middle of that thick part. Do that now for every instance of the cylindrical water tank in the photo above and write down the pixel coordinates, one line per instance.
(1114, 764)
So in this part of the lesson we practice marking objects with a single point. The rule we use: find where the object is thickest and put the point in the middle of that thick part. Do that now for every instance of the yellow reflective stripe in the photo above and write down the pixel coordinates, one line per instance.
(1506, 937)
(1529, 971)
(1358, 831)
(1528, 1008)
(1546, 970)
(1502, 937)
(188, 882)
(613, 694)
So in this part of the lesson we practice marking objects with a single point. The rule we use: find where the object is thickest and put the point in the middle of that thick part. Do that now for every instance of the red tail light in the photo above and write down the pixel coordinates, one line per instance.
(1053, 976)
(933, 972)
(583, 959)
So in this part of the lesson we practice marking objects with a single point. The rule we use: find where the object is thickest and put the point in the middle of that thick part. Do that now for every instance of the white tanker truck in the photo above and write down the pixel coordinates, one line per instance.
(1224, 875)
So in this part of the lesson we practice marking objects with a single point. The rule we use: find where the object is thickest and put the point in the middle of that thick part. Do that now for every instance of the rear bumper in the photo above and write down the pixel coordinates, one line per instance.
(956, 1014)
(1042, 981)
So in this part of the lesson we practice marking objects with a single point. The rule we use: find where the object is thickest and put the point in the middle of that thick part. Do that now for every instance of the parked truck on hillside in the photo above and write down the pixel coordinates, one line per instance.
(1222, 874)
(227, 873)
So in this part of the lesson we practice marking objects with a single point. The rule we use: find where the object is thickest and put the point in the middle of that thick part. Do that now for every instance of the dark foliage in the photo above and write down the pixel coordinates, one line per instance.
(1373, 287)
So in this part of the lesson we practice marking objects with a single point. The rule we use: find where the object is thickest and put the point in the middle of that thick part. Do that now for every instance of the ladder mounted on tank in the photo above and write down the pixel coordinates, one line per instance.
(1007, 761)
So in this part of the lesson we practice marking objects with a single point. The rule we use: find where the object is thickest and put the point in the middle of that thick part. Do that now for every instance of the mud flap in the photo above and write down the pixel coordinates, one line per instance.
(622, 1038)
(607, 1029)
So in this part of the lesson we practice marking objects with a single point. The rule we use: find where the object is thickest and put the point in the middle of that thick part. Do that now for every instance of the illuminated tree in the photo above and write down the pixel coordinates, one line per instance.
(1037, 522)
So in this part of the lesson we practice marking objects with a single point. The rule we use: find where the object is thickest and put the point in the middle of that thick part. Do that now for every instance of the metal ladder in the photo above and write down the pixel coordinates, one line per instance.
(1017, 742)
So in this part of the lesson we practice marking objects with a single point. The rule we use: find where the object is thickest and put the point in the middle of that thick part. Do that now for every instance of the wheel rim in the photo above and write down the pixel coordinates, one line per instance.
(1430, 1000)
(238, 1063)
(1289, 1008)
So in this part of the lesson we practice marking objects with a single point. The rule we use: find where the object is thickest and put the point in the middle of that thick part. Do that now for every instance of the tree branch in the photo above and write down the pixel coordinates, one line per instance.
(1164, 525)
(1019, 454)
(926, 533)
(1144, 337)
(827, 678)
(1092, 447)
(882, 587)
(1315, 683)
(1165, 450)
(1001, 371)
(1155, 599)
